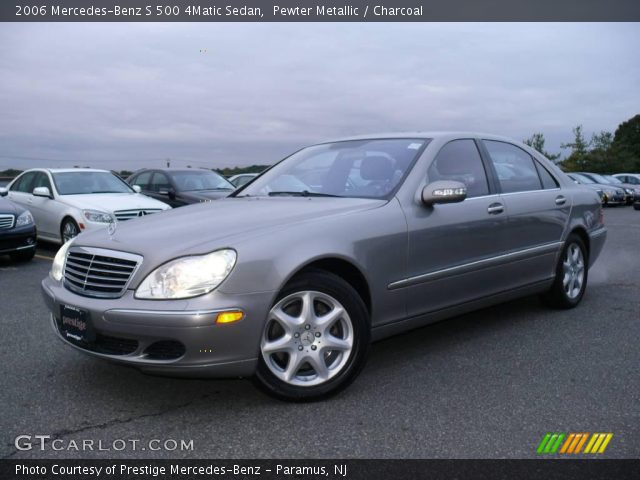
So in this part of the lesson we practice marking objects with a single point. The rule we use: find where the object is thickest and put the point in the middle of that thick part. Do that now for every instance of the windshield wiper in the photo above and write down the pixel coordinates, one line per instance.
(303, 193)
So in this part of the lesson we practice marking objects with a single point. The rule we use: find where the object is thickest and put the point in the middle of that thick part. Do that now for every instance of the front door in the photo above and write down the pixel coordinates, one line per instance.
(454, 249)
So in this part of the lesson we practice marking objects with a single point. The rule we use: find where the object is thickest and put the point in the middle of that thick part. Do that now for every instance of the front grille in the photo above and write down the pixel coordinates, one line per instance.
(96, 272)
(122, 215)
(7, 221)
(165, 350)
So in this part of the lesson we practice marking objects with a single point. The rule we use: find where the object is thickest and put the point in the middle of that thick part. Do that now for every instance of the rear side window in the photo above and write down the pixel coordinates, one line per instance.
(515, 167)
(548, 181)
(460, 160)
(24, 183)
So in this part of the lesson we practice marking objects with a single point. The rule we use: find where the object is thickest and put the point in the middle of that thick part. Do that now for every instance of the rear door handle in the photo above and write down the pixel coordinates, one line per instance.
(495, 208)
(561, 200)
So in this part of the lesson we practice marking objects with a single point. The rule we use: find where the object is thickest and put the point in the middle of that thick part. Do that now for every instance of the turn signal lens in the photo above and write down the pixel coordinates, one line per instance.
(229, 317)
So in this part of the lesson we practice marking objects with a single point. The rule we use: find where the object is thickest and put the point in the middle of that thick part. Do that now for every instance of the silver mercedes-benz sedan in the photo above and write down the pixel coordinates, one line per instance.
(339, 244)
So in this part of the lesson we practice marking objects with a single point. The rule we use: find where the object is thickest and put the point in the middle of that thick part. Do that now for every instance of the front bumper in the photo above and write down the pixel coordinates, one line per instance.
(18, 239)
(173, 337)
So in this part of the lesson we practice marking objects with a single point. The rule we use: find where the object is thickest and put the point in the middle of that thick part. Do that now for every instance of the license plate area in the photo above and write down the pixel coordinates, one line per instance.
(75, 324)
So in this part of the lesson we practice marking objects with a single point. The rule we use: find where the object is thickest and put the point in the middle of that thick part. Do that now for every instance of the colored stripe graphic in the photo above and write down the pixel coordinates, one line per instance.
(550, 443)
(598, 442)
(572, 443)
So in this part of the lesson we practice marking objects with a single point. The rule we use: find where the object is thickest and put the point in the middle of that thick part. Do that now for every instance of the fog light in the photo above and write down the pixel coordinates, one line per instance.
(229, 317)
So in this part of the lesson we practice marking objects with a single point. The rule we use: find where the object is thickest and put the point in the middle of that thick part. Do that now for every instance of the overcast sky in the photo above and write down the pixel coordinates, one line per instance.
(125, 96)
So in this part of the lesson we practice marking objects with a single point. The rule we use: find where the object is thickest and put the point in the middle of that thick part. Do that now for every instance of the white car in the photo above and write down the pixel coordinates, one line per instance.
(632, 178)
(66, 202)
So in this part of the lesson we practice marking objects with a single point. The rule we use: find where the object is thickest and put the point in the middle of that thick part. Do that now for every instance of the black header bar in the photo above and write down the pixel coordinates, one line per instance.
(320, 11)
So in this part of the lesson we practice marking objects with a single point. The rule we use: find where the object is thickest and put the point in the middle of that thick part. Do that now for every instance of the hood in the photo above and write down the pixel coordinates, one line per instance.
(199, 228)
(7, 206)
(205, 195)
(110, 202)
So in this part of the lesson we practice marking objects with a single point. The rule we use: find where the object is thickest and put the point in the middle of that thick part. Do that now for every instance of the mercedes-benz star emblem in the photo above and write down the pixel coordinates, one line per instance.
(142, 213)
(111, 226)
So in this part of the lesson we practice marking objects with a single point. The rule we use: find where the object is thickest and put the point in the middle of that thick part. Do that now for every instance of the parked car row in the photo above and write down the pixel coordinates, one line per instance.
(618, 189)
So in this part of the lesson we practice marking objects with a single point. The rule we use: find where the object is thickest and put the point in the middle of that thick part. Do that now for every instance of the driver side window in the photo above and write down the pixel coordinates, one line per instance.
(460, 160)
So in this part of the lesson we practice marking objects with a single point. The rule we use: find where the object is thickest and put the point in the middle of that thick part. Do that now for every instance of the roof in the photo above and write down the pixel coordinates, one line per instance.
(67, 170)
(420, 134)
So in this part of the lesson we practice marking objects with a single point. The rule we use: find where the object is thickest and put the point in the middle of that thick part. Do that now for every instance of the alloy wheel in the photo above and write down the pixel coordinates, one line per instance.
(308, 338)
(573, 270)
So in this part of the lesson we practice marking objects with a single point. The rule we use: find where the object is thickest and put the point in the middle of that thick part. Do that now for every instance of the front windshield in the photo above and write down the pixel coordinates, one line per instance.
(356, 168)
(191, 181)
(79, 183)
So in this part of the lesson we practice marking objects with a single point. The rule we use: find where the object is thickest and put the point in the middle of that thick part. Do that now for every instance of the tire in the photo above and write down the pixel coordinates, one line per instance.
(572, 273)
(292, 334)
(636, 206)
(68, 229)
(24, 255)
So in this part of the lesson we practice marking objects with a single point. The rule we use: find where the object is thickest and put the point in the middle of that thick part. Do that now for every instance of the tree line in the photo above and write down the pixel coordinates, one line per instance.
(604, 152)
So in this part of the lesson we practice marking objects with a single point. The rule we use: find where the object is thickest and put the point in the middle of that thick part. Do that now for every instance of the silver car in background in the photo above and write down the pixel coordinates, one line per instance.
(342, 243)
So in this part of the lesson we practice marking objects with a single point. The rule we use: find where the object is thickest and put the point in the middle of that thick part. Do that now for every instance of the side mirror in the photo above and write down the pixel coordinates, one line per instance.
(137, 189)
(171, 193)
(444, 191)
(42, 192)
(4, 192)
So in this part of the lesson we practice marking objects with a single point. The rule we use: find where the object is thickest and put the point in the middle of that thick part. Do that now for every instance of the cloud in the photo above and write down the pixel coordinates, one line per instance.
(131, 95)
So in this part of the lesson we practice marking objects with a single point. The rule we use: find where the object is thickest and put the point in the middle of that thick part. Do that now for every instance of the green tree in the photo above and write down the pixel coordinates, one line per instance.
(626, 145)
(577, 160)
(536, 141)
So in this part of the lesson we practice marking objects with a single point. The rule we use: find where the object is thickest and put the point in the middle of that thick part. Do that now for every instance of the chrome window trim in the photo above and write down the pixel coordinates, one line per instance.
(467, 267)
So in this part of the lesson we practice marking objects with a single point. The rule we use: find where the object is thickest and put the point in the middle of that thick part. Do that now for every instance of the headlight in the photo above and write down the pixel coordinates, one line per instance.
(610, 192)
(25, 218)
(57, 267)
(188, 276)
(628, 191)
(97, 216)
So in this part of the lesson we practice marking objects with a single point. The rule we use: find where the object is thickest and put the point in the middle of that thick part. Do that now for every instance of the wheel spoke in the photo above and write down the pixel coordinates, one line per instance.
(319, 366)
(293, 365)
(326, 321)
(331, 342)
(307, 314)
(285, 320)
(281, 344)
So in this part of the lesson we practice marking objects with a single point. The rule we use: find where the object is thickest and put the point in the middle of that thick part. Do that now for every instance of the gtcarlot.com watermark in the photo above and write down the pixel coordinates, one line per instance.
(49, 443)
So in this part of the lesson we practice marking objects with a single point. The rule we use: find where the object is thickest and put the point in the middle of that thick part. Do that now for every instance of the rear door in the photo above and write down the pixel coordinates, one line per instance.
(21, 188)
(538, 210)
(454, 249)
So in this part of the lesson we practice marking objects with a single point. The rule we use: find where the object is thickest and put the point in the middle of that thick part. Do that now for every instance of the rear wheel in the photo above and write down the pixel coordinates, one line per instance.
(315, 340)
(69, 229)
(571, 275)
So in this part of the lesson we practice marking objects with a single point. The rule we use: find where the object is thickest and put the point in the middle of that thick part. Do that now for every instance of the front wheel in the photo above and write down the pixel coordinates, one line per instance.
(571, 275)
(315, 339)
(69, 229)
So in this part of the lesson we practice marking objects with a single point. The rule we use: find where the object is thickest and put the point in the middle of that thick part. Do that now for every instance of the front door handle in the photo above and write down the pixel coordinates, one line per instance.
(495, 208)
(560, 200)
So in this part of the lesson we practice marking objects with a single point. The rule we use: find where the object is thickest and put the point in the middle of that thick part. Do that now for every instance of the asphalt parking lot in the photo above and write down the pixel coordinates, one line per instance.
(484, 385)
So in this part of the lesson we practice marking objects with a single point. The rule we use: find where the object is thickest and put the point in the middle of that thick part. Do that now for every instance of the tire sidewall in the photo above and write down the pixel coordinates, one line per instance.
(342, 291)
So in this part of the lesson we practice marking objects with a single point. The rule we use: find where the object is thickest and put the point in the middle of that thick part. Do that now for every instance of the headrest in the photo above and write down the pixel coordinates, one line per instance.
(376, 167)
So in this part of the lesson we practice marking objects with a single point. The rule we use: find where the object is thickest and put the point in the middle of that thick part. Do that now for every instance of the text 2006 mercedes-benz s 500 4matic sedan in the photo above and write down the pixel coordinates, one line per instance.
(339, 244)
